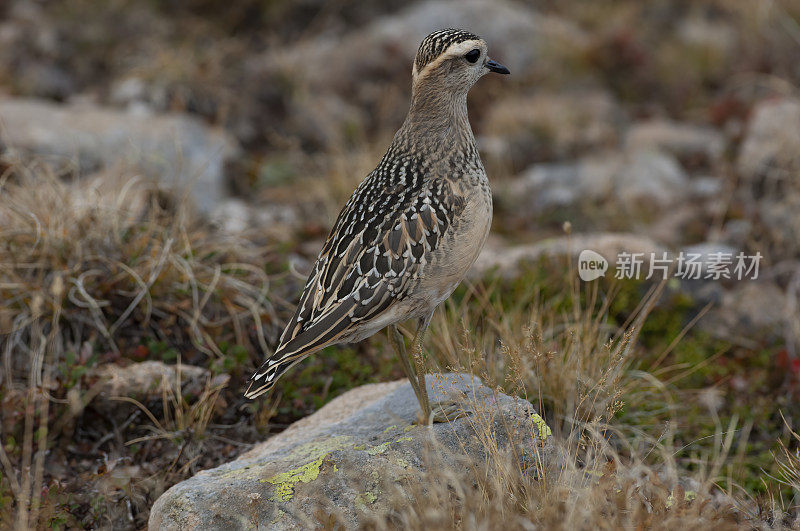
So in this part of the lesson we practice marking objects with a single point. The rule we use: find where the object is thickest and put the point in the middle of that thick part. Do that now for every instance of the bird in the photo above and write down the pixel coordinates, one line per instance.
(411, 230)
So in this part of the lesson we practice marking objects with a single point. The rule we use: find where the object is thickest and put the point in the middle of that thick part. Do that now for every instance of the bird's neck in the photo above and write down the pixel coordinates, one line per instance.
(437, 122)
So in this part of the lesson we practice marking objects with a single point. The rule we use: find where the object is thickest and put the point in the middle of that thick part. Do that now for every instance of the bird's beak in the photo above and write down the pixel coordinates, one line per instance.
(494, 66)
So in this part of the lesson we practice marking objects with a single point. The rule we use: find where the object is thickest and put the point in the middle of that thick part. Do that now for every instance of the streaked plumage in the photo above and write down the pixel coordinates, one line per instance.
(412, 228)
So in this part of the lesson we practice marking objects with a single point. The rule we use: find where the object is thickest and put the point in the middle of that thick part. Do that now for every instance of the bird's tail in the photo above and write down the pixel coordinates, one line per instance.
(264, 379)
(285, 356)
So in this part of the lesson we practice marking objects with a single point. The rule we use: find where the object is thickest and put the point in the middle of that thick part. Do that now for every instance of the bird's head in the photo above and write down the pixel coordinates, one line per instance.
(451, 61)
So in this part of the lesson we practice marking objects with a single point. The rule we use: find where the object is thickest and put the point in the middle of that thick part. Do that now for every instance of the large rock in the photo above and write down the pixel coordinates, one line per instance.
(339, 458)
(175, 150)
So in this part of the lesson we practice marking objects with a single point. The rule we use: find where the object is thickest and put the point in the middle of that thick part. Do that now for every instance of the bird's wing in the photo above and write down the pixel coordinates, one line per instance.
(377, 248)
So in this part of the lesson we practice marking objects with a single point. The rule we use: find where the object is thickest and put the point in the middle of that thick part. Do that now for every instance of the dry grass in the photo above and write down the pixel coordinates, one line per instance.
(614, 425)
(100, 276)
(90, 278)
(136, 259)
(609, 471)
(75, 271)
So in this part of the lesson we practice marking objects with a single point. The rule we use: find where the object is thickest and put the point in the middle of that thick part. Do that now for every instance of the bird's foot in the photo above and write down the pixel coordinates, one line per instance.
(444, 411)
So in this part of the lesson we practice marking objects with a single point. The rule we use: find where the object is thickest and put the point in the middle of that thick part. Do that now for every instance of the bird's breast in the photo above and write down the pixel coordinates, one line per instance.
(461, 243)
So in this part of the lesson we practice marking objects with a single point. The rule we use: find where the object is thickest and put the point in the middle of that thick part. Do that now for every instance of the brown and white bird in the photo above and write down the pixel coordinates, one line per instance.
(411, 229)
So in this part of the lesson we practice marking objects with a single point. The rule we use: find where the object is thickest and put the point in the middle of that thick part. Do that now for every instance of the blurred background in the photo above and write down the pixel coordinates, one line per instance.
(169, 170)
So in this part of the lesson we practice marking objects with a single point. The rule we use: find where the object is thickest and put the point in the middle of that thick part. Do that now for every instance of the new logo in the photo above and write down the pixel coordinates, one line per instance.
(591, 265)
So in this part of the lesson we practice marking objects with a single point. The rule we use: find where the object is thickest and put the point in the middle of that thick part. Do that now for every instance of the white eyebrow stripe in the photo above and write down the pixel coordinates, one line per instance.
(456, 49)
(460, 48)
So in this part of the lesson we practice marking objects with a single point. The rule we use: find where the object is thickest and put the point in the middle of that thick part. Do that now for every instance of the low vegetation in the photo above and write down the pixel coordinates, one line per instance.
(616, 369)
(661, 421)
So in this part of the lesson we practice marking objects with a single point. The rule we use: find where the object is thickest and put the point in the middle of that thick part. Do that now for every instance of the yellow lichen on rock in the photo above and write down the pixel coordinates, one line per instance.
(541, 426)
(364, 498)
(286, 481)
(314, 449)
(381, 448)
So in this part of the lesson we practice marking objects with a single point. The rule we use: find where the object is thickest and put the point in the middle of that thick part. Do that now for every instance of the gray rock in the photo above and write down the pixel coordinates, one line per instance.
(236, 217)
(146, 382)
(749, 311)
(630, 180)
(706, 249)
(769, 163)
(715, 37)
(736, 232)
(770, 152)
(340, 457)
(652, 177)
(682, 140)
(713, 260)
(175, 150)
(549, 185)
(554, 185)
(779, 217)
(706, 187)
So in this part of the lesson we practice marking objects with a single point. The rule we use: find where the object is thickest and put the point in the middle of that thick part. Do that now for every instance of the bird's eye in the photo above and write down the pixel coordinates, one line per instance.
(472, 55)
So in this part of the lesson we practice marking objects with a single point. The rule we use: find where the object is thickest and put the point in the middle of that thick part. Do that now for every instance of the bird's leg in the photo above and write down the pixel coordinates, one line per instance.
(396, 338)
(416, 352)
(442, 411)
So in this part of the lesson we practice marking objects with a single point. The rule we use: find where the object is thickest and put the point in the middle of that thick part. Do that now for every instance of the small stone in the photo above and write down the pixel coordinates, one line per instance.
(144, 382)
(750, 309)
